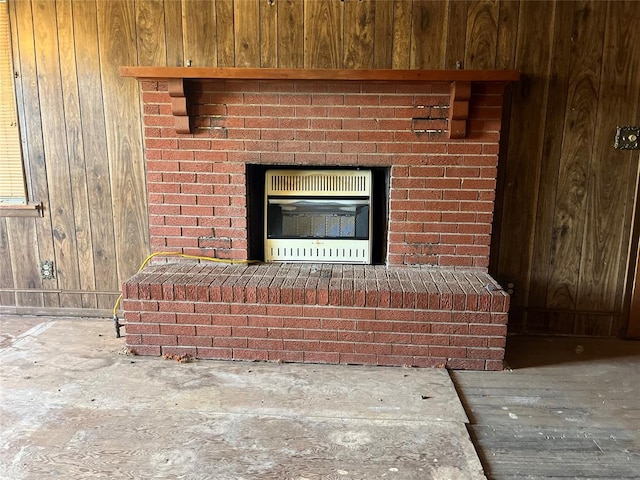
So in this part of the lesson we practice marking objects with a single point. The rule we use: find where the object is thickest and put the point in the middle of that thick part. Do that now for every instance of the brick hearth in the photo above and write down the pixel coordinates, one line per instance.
(432, 303)
(418, 316)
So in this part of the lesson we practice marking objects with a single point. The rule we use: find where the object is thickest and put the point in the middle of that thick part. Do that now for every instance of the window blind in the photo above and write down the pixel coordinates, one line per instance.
(12, 187)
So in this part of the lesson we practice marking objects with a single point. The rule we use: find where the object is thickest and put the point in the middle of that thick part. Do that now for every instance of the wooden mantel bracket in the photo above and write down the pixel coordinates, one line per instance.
(460, 81)
(179, 105)
(459, 109)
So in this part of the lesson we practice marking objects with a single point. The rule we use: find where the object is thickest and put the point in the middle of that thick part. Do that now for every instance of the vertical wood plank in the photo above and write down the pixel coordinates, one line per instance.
(498, 209)
(150, 34)
(56, 152)
(551, 154)
(173, 35)
(633, 324)
(456, 34)
(291, 33)
(75, 150)
(482, 34)
(509, 13)
(629, 249)
(225, 33)
(359, 23)
(609, 205)
(522, 171)
(402, 21)
(505, 59)
(26, 270)
(6, 277)
(579, 132)
(116, 37)
(94, 140)
(246, 21)
(429, 34)
(630, 327)
(268, 34)
(383, 35)
(199, 30)
(323, 34)
(40, 244)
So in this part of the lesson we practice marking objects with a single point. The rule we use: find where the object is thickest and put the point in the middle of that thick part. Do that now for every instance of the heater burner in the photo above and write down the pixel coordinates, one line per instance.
(318, 215)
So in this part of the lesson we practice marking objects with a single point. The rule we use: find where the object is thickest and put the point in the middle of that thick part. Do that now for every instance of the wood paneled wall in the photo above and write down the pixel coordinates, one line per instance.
(568, 196)
(565, 207)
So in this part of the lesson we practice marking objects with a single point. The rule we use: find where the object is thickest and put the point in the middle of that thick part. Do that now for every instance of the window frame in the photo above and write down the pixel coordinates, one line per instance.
(14, 204)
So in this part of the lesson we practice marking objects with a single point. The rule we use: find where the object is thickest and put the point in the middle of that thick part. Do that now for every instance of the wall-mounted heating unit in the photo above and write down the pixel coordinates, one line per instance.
(318, 216)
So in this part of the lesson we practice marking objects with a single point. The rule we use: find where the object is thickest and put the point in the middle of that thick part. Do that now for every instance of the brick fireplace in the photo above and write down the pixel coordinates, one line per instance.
(427, 299)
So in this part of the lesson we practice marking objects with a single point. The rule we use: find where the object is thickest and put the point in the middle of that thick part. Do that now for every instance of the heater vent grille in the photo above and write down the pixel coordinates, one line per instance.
(338, 251)
(312, 182)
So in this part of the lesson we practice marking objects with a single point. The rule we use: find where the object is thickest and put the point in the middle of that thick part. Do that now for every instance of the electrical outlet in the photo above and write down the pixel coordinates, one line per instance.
(46, 269)
(627, 138)
(511, 287)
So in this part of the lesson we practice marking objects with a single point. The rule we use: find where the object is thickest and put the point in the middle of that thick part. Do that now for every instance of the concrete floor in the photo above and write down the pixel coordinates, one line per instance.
(74, 405)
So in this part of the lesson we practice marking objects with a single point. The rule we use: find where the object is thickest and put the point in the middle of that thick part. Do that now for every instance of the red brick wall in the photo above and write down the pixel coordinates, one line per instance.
(442, 191)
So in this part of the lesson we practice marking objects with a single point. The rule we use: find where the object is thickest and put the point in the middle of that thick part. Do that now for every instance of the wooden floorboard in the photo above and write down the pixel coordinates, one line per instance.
(564, 408)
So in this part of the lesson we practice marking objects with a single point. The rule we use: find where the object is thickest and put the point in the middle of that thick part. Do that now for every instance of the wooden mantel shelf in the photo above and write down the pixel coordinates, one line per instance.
(377, 75)
(460, 81)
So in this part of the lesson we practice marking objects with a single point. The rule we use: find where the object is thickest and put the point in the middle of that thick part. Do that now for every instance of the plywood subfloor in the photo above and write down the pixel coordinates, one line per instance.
(73, 406)
(566, 408)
